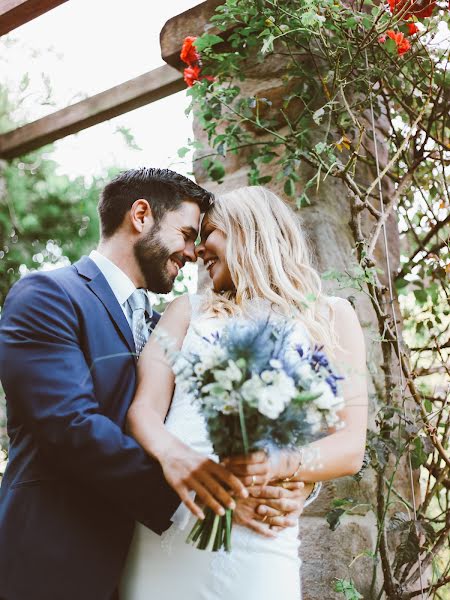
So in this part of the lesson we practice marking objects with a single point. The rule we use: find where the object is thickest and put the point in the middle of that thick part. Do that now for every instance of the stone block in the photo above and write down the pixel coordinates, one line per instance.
(328, 555)
(345, 487)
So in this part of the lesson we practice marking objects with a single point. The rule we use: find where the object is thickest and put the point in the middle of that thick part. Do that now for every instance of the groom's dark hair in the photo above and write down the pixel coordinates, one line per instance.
(163, 189)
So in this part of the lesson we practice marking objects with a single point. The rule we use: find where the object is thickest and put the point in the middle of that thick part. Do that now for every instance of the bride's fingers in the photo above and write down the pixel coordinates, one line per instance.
(267, 512)
(284, 505)
(187, 500)
(290, 485)
(229, 478)
(206, 497)
(282, 521)
(269, 491)
(276, 529)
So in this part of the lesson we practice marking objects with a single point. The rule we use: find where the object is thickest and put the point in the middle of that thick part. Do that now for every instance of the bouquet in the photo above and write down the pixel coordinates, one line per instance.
(256, 390)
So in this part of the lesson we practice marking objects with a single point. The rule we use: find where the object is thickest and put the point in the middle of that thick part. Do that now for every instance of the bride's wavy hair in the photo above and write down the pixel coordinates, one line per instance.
(269, 258)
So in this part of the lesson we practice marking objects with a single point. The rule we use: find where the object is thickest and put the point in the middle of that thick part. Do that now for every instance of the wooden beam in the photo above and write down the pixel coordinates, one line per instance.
(142, 90)
(14, 13)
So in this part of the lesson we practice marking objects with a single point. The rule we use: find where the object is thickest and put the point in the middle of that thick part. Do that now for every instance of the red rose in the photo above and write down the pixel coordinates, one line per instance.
(191, 75)
(419, 8)
(412, 28)
(401, 42)
(189, 54)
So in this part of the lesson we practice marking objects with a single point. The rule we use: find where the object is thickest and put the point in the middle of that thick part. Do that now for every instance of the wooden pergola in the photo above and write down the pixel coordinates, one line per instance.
(148, 87)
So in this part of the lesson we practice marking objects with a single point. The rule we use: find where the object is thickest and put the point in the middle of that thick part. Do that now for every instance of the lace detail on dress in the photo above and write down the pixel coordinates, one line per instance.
(227, 562)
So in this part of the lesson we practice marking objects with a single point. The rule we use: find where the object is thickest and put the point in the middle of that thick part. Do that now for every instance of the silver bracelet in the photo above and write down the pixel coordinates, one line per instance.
(295, 473)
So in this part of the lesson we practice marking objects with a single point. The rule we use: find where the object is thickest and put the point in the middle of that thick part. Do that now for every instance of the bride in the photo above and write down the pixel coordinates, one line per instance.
(255, 253)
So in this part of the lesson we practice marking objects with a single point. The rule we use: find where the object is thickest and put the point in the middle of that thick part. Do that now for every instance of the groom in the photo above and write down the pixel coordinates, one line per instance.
(69, 338)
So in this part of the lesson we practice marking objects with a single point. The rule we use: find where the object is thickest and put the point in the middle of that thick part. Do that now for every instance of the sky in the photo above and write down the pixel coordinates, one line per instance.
(87, 46)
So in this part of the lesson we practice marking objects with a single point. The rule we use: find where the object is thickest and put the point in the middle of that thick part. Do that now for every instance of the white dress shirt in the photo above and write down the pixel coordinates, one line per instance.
(118, 281)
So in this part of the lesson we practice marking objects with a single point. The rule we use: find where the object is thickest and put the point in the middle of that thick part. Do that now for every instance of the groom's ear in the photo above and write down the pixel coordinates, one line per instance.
(141, 216)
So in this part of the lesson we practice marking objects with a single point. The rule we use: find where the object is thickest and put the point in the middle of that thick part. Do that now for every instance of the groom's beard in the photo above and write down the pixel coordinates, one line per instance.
(152, 256)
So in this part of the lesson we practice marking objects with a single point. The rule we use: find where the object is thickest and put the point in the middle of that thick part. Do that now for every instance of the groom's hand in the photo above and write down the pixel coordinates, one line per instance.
(273, 507)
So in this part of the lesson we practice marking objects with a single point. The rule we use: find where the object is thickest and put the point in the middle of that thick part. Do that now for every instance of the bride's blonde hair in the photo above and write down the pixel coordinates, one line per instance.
(268, 258)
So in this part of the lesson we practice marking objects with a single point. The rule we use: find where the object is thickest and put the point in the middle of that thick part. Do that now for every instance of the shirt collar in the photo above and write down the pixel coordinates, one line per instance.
(119, 282)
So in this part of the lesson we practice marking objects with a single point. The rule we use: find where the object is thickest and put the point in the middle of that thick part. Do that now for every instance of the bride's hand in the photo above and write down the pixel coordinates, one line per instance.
(252, 469)
(186, 470)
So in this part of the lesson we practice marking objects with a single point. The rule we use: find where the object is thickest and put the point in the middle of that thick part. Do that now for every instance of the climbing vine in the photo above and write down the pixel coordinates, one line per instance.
(364, 99)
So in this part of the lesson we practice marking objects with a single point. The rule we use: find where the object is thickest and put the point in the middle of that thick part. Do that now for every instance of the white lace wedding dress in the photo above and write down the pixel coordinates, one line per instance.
(166, 568)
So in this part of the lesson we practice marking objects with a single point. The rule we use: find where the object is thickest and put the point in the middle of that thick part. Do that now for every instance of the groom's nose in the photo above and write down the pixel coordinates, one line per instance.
(189, 251)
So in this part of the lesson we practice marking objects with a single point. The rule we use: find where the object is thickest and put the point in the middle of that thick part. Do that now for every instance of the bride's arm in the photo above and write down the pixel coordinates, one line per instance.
(341, 453)
(185, 470)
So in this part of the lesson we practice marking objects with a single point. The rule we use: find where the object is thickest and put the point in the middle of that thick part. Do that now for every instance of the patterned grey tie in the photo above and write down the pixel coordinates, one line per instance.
(139, 304)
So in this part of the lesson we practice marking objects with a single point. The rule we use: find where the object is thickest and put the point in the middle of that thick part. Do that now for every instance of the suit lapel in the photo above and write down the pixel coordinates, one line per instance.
(97, 283)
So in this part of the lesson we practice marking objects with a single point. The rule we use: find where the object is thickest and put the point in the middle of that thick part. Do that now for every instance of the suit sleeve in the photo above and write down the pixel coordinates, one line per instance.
(47, 380)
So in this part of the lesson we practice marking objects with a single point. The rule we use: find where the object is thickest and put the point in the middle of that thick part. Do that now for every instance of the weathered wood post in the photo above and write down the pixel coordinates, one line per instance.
(326, 554)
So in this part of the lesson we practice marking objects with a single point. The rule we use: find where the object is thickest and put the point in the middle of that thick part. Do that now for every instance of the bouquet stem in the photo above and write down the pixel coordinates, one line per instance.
(213, 532)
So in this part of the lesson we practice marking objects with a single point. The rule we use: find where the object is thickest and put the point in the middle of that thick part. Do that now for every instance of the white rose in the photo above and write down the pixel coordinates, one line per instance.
(269, 404)
(251, 390)
(200, 369)
(327, 400)
(304, 371)
(276, 364)
(232, 404)
(267, 376)
(223, 378)
(233, 371)
(313, 418)
(284, 387)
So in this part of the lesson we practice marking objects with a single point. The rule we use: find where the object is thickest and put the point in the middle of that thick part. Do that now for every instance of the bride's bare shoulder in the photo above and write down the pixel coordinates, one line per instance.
(339, 305)
(344, 320)
(177, 314)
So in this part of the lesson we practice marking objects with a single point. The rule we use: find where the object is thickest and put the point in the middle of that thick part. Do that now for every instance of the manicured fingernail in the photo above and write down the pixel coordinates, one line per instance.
(232, 505)
(221, 511)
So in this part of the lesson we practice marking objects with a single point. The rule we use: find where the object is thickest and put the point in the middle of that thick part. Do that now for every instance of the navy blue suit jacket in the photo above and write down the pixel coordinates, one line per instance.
(75, 483)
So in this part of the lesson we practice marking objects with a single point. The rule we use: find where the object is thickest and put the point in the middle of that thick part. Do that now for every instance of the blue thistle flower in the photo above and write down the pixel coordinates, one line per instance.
(301, 352)
(257, 342)
(318, 358)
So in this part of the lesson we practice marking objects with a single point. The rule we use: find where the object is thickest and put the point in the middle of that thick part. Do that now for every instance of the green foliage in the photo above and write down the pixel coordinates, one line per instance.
(347, 588)
(46, 217)
(340, 506)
